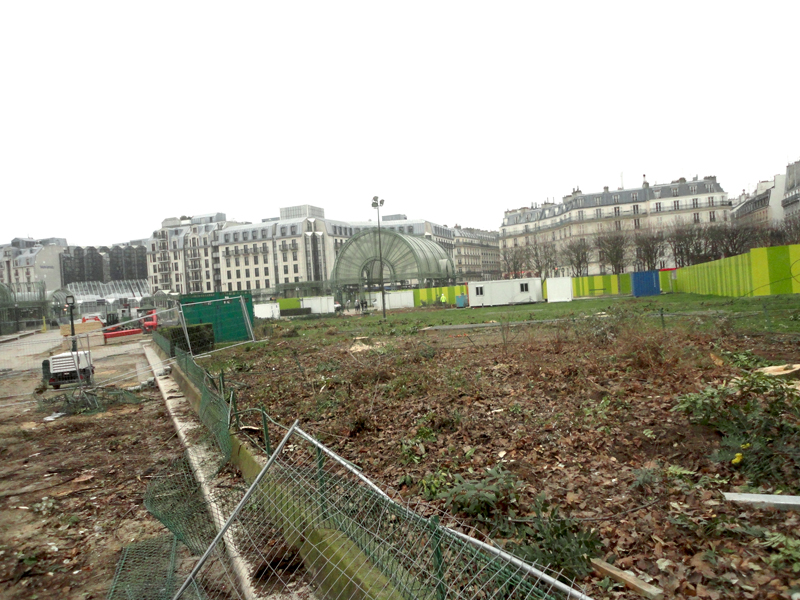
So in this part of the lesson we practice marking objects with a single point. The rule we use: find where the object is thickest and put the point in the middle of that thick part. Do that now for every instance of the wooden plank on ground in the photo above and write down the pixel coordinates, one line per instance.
(766, 500)
(634, 583)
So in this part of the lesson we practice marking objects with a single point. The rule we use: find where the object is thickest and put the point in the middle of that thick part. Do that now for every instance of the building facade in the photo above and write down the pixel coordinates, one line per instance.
(476, 254)
(27, 261)
(765, 204)
(658, 208)
(791, 193)
(180, 254)
(291, 255)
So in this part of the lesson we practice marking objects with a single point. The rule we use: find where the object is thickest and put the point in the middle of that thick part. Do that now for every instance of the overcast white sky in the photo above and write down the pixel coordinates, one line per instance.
(114, 116)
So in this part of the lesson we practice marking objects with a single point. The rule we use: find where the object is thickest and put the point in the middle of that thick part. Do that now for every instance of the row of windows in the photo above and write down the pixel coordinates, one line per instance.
(256, 273)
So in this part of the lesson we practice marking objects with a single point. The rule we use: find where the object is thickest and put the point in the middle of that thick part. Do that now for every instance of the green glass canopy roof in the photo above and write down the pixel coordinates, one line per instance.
(407, 258)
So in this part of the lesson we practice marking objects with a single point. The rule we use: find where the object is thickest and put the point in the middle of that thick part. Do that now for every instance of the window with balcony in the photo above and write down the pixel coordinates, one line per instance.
(598, 213)
(616, 211)
(711, 200)
(637, 224)
(695, 202)
(712, 216)
(676, 204)
(696, 217)
(636, 209)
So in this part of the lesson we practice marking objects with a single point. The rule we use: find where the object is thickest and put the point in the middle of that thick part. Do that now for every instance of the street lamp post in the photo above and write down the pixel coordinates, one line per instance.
(71, 304)
(376, 204)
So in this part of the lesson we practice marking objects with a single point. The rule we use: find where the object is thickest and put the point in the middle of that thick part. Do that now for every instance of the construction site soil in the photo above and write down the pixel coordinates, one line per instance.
(582, 415)
(71, 490)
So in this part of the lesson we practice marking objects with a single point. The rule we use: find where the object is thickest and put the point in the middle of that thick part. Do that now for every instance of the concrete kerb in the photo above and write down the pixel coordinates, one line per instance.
(339, 567)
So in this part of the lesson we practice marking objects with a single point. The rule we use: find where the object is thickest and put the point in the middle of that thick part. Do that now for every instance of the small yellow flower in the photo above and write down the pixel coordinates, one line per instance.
(738, 459)
(746, 446)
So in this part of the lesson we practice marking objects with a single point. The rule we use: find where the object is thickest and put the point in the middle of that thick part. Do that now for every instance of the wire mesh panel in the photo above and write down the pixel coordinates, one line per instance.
(311, 521)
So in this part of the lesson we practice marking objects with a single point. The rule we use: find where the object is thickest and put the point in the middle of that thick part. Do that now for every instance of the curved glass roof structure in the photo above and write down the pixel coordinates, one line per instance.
(405, 258)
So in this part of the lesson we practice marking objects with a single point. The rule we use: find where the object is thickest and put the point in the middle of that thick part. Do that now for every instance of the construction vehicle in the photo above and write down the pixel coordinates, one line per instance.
(68, 367)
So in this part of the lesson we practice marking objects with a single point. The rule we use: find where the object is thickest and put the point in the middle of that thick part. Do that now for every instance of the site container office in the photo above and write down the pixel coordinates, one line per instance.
(504, 292)
(559, 289)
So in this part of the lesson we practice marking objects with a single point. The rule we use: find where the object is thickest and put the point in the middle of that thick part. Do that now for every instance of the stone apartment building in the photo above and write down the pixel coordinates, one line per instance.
(581, 215)
(791, 193)
(476, 254)
(291, 254)
(765, 204)
(180, 254)
(27, 261)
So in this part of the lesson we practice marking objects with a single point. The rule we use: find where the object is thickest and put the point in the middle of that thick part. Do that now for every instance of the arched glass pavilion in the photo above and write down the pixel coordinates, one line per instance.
(408, 261)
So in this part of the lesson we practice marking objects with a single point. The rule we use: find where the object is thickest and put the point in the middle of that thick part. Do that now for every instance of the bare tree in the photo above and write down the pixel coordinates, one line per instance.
(543, 257)
(575, 254)
(515, 260)
(688, 244)
(650, 247)
(735, 238)
(613, 246)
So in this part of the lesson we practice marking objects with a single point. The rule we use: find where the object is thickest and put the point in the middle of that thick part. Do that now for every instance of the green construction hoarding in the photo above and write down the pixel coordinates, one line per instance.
(224, 311)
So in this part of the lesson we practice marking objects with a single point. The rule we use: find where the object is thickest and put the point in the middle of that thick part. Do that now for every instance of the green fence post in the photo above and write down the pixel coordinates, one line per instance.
(766, 314)
(438, 560)
(663, 324)
(266, 431)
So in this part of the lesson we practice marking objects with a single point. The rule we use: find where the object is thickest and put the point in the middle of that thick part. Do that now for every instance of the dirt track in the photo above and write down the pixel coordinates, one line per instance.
(71, 490)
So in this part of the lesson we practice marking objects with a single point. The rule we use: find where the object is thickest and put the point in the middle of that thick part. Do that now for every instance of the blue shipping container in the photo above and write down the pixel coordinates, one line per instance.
(645, 283)
(462, 301)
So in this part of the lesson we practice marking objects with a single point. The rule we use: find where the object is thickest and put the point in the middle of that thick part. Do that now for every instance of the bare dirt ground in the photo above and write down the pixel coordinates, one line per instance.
(581, 416)
(71, 490)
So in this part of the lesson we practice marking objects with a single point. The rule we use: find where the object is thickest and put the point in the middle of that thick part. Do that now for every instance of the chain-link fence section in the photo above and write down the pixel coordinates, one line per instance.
(310, 526)
(312, 519)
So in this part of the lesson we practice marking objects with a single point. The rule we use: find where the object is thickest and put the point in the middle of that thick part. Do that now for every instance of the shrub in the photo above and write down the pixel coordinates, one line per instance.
(486, 499)
(759, 418)
(555, 540)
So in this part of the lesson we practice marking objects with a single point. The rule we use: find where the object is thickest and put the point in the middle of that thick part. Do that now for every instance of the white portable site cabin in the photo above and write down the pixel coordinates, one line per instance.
(505, 291)
(559, 289)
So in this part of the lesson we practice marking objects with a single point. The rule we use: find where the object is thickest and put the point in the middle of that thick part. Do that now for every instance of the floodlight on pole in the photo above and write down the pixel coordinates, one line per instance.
(376, 204)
